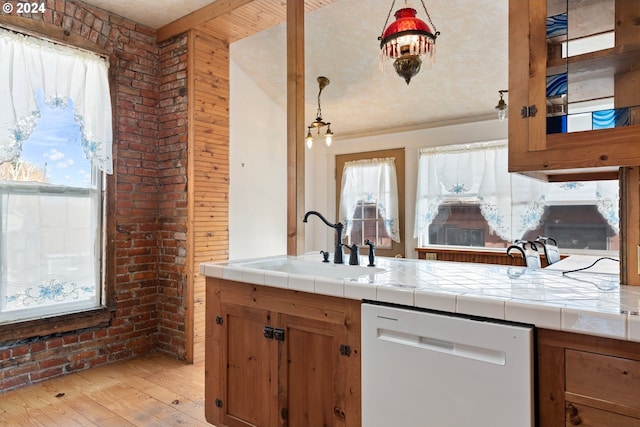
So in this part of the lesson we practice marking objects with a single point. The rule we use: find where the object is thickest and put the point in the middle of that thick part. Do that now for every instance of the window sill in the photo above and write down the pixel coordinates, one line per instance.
(55, 325)
(471, 254)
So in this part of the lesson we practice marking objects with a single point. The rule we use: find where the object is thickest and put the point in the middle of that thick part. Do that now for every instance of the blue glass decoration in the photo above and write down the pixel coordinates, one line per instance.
(613, 118)
(557, 25)
(557, 85)
(556, 124)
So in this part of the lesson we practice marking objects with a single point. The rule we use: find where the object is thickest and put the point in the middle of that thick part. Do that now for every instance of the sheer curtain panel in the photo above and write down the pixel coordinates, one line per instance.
(511, 204)
(477, 173)
(371, 181)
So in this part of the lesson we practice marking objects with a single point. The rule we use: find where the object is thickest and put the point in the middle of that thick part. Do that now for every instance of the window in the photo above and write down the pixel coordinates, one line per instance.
(466, 197)
(368, 224)
(370, 199)
(55, 147)
(369, 202)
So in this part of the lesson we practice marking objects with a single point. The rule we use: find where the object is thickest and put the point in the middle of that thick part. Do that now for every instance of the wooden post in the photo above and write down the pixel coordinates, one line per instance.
(295, 126)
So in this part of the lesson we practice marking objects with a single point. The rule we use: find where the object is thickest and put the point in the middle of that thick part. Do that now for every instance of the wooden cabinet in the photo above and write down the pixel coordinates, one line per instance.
(573, 108)
(587, 381)
(276, 357)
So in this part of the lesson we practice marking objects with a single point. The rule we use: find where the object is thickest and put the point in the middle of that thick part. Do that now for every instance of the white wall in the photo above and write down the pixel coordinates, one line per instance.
(258, 171)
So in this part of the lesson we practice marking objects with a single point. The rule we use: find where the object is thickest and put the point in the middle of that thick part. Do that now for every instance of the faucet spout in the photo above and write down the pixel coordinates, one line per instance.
(319, 215)
(338, 255)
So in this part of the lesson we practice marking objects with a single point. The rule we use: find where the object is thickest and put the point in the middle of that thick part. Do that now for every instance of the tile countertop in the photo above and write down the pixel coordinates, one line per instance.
(582, 302)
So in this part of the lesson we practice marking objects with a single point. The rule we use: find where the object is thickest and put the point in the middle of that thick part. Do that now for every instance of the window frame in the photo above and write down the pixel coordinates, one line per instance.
(100, 316)
(397, 249)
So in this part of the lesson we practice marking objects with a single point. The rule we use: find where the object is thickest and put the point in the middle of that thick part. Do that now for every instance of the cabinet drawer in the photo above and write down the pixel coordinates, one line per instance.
(607, 378)
(586, 416)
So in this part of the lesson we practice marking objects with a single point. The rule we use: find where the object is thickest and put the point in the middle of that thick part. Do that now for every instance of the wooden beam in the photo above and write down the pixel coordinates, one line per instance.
(295, 126)
(50, 32)
(198, 17)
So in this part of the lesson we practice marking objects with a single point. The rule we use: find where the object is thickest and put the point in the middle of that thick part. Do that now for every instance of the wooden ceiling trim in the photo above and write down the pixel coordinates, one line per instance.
(232, 20)
(198, 17)
(247, 20)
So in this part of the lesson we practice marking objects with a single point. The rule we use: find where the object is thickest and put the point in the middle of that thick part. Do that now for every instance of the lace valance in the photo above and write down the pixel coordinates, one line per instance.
(30, 65)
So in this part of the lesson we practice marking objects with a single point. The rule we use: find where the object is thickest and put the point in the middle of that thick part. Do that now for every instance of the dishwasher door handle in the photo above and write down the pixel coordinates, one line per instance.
(453, 348)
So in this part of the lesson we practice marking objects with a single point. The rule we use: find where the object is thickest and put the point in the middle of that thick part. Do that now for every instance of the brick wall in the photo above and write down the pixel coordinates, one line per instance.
(172, 214)
(150, 159)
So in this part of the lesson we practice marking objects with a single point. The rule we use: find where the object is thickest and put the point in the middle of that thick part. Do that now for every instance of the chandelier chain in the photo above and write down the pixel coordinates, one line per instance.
(435, 32)
(387, 21)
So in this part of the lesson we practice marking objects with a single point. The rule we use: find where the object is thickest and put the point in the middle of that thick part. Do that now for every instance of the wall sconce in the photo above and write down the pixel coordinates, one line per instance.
(502, 106)
(318, 122)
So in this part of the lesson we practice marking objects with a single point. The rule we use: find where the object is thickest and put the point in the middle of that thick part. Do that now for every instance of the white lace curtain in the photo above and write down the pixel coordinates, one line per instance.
(29, 65)
(511, 204)
(371, 181)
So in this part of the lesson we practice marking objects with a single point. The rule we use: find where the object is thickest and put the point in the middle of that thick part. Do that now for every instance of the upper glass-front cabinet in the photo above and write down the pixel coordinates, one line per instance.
(574, 87)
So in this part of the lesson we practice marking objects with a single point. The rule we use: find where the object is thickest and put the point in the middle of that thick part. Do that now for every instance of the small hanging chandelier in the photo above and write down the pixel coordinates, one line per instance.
(502, 106)
(318, 122)
(407, 39)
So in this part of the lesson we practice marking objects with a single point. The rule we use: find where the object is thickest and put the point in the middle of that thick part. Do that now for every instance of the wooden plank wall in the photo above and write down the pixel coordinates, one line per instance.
(209, 166)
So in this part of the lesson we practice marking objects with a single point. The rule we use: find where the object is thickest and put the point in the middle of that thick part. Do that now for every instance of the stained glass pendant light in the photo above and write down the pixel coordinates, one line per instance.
(407, 40)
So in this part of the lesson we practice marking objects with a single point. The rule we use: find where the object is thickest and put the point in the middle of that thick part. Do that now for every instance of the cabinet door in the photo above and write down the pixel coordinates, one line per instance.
(248, 365)
(302, 375)
(575, 63)
(313, 373)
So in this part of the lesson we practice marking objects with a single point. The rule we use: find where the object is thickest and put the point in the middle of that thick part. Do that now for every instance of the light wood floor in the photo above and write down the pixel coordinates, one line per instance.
(152, 390)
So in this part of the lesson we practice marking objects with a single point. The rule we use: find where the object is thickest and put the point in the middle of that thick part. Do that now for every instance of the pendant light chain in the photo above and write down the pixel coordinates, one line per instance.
(435, 31)
(387, 21)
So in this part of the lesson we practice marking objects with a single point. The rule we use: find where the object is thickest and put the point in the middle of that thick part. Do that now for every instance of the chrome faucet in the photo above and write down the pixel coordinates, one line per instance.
(338, 255)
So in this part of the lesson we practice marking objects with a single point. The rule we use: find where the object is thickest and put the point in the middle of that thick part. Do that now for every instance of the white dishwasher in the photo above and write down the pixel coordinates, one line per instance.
(428, 369)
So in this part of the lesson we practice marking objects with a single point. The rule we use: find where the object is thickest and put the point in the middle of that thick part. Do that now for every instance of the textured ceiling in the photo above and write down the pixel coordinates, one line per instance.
(341, 43)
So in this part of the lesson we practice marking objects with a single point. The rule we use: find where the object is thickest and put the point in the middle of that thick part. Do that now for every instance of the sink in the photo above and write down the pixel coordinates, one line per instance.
(310, 268)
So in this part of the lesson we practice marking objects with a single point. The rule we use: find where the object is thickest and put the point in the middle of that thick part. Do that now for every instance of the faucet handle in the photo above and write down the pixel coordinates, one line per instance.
(372, 253)
(354, 256)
